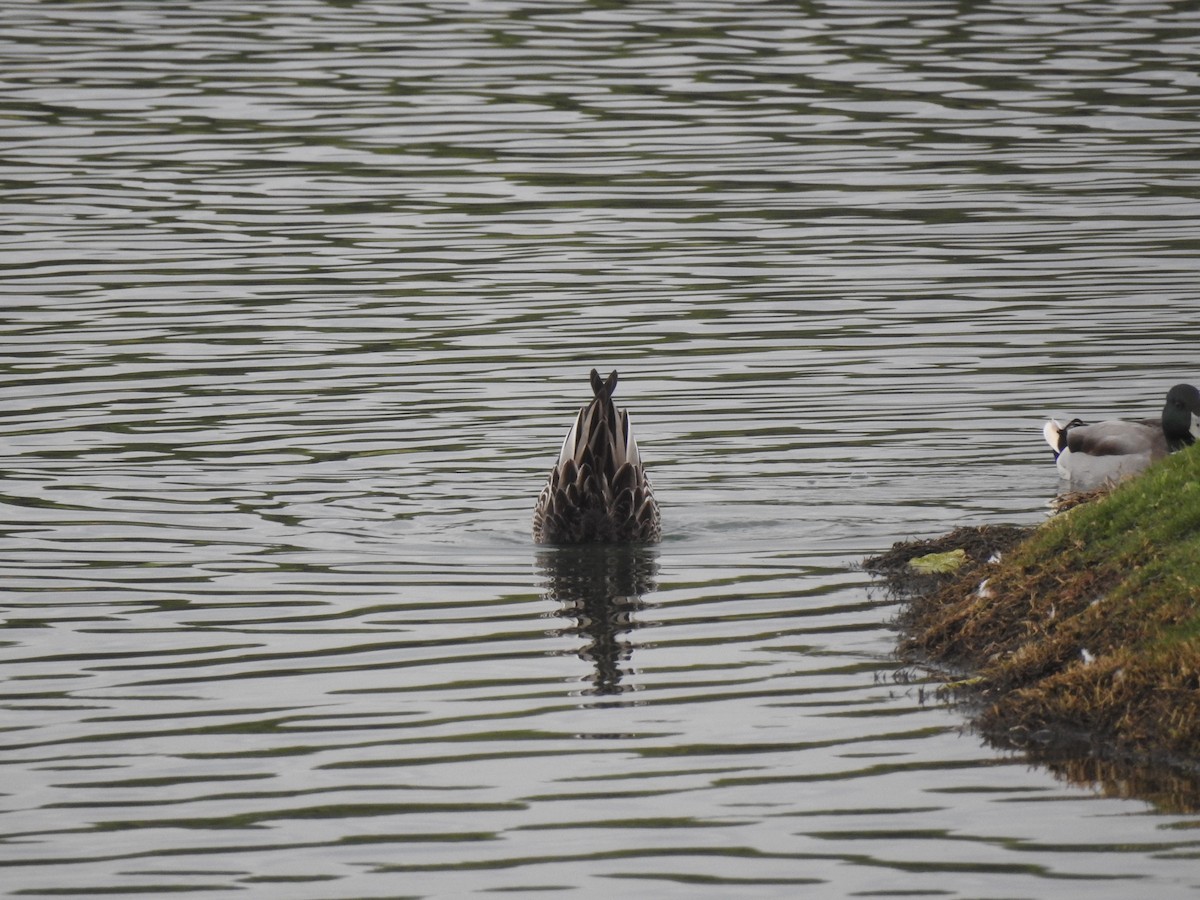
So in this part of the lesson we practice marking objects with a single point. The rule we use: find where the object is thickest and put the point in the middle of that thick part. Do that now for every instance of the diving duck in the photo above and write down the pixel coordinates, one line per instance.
(598, 491)
(1090, 455)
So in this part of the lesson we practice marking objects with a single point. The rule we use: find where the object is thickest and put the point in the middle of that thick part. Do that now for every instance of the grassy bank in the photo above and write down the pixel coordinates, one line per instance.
(1088, 628)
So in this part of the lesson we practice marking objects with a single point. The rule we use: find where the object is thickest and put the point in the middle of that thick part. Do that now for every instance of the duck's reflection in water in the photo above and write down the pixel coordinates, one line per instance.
(599, 587)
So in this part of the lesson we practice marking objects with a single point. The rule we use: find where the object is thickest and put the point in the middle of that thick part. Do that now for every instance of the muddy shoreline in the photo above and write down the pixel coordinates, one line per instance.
(1077, 641)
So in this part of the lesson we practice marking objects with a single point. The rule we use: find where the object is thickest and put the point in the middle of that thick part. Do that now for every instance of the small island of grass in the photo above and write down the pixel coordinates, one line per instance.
(1087, 628)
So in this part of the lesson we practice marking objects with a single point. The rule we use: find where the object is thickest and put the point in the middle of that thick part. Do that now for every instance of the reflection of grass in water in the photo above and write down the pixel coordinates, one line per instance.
(1089, 630)
(1173, 789)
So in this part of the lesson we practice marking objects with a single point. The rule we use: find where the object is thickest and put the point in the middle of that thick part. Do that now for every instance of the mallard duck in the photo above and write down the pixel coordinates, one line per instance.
(598, 491)
(1108, 451)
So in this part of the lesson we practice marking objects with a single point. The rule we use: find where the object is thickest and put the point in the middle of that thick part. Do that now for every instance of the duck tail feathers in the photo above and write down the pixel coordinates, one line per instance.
(1055, 433)
(1058, 435)
(571, 441)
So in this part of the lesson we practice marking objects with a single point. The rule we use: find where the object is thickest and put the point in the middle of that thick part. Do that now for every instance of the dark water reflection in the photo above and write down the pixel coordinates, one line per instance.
(296, 302)
(601, 588)
(1169, 786)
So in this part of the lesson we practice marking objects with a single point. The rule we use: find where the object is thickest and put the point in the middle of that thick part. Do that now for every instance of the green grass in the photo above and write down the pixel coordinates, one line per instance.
(1091, 626)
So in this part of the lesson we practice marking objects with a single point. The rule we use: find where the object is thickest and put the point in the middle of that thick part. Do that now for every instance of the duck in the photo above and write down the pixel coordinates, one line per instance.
(598, 491)
(1092, 455)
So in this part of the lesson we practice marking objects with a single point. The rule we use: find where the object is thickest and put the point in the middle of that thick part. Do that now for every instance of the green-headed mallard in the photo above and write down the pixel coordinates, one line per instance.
(1107, 451)
(598, 491)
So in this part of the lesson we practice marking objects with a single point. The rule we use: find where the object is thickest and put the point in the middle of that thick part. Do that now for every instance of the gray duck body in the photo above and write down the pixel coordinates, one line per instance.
(1091, 455)
(597, 491)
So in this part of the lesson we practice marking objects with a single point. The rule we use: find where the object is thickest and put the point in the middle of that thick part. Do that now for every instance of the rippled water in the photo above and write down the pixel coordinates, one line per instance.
(297, 302)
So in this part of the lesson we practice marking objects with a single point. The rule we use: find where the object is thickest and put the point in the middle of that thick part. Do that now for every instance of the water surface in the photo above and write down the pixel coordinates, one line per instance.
(297, 304)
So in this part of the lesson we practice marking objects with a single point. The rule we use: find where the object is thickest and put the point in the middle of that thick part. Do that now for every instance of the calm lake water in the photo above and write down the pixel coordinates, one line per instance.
(298, 301)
